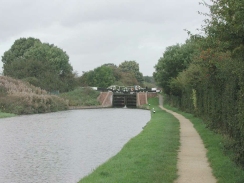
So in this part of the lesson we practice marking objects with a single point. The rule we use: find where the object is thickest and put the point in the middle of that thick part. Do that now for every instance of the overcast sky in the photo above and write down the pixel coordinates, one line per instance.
(95, 32)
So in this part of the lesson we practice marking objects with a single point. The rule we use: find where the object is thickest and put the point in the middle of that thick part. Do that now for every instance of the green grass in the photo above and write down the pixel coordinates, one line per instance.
(150, 157)
(225, 170)
(6, 115)
(81, 97)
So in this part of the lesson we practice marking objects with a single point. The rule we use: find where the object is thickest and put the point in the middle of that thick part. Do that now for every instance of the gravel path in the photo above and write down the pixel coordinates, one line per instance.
(193, 166)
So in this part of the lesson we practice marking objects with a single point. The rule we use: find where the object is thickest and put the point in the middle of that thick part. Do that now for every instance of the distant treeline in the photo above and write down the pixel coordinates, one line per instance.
(46, 66)
(127, 73)
(33, 70)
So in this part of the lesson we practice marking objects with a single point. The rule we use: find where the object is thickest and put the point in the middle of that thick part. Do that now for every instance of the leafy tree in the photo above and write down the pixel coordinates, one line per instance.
(115, 69)
(100, 77)
(148, 79)
(127, 79)
(86, 78)
(205, 75)
(132, 67)
(110, 65)
(18, 49)
(103, 77)
(106, 75)
(175, 59)
(45, 52)
(46, 65)
(122, 78)
(224, 25)
(169, 66)
(149, 82)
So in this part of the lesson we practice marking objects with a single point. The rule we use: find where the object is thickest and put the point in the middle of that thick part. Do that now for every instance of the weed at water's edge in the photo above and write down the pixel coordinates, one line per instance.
(6, 115)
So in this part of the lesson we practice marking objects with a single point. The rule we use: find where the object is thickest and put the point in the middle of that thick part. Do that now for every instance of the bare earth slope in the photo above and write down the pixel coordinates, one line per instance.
(193, 166)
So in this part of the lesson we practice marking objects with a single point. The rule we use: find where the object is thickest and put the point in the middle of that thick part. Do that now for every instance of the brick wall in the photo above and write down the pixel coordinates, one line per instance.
(105, 99)
(141, 98)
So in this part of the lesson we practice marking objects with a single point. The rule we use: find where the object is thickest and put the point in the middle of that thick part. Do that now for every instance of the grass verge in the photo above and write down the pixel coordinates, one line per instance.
(81, 97)
(151, 156)
(225, 170)
(6, 115)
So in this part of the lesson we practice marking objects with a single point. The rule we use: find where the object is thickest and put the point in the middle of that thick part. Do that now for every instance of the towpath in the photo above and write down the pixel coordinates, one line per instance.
(193, 166)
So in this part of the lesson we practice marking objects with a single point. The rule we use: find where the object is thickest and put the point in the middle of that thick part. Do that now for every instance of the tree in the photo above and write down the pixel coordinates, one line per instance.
(132, 67)
(45, 52)
(224, 25)
(127, 79)
(148, 79)
(169, 66)
(17, 51)
(30, 58)
(100, 77)
(86, 79)
(103, 77)
(206, 77)
(123, 78)
(106, 75)
(175, 59)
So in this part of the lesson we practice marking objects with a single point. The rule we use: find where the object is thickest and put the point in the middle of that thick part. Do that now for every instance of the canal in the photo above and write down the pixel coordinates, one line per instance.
(63, 147)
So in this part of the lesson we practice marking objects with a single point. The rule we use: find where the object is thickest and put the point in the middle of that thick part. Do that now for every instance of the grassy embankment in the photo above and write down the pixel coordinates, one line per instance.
(81, 97)
(151, 156)
(6, 115)
(19, 97)
(225, 170)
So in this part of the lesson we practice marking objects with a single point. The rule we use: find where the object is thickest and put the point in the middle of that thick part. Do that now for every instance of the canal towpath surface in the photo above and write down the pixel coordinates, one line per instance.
(193, 165)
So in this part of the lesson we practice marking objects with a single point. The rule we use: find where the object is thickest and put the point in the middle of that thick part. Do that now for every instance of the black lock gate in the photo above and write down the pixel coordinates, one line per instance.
(124, 100)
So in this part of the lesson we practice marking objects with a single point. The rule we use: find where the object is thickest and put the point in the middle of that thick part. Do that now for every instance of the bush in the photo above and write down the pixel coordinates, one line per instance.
(218, 98)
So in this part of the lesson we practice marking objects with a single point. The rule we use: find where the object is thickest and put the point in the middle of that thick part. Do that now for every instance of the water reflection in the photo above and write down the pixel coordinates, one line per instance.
(63, 147)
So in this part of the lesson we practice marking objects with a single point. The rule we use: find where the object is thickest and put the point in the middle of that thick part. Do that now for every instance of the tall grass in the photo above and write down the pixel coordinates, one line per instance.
(150, 157)
(5, 115)
(19, 97)
(14, 86)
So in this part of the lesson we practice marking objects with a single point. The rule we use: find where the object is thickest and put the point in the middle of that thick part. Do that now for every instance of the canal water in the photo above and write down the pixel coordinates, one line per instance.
(63, 147)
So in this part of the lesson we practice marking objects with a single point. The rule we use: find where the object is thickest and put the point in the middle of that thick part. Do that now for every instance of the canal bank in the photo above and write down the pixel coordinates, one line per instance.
(193, 165)
(149, 157)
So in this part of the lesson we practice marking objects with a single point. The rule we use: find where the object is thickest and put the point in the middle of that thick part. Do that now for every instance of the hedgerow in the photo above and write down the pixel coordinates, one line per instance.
(212, 85)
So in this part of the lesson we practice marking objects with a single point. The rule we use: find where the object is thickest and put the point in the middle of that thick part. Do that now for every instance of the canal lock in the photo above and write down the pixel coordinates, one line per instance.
(124, 100)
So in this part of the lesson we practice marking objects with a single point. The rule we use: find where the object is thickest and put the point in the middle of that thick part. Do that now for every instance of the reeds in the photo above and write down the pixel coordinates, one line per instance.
(19, 97)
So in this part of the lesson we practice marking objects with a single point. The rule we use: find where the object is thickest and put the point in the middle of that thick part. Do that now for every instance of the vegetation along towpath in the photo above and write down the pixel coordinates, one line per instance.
(193, 166)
